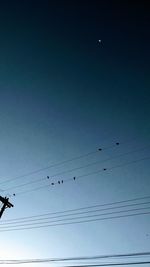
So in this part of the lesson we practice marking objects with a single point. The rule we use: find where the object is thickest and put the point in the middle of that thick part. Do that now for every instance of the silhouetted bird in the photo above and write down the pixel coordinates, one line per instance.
(117, 143)
(100, 149)
(62, 181)
(52, 183)
(74, 178)
(14, 195)
(58, 182)
(104, 169)
(47, 177)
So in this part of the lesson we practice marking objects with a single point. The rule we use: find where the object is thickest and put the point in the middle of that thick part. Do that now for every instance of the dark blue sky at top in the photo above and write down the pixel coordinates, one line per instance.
(57, 83)
(50, 56)
(61, 91)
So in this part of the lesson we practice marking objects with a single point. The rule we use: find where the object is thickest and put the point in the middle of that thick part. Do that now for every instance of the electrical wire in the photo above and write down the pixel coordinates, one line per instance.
(30, 219)
(77, 259)
(78, 168)
(73, 218)
(51, 224)
(84, 175)
(84, 208)
(66, 161)
(58, 164)
(111, 264)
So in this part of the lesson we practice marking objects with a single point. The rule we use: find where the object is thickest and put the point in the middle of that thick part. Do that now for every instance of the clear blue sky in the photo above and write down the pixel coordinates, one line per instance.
(63, 94)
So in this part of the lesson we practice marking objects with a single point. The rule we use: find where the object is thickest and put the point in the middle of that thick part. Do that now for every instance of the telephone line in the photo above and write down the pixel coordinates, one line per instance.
(67, 259)
(85, 175)
(84, 208)
(79, 222)
(67, 161)
(54, 223)
(97, 265)
(78, 168)
(78, 213)
(58, 164)
(111, 264)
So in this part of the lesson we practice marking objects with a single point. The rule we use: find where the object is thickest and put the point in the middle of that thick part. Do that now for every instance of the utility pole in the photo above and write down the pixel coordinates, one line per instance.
(6, 204)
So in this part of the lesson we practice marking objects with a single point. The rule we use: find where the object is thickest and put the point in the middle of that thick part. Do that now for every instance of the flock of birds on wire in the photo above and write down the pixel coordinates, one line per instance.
(100, 212)
(60, 182)
(74, 177)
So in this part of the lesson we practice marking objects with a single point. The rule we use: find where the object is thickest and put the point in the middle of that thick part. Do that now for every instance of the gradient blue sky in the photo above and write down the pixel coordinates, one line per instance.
(62, 94)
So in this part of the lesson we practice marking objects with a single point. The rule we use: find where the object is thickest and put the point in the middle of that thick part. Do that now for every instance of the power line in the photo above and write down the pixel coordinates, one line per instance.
(87, 207)
(58, 164)
(79, 213)
(70, 219)
(92, 265)
(115, 167)
(66, 161)
(111, 264)
(85, 175)
(4, 229)
(95, 257)
(77, 259)
(79, 168)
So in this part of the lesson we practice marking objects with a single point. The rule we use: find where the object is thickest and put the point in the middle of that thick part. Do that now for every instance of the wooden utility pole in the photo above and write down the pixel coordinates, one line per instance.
(6, 204)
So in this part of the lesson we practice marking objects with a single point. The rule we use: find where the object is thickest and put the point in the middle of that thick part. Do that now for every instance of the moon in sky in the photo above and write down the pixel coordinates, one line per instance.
(99, 41)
